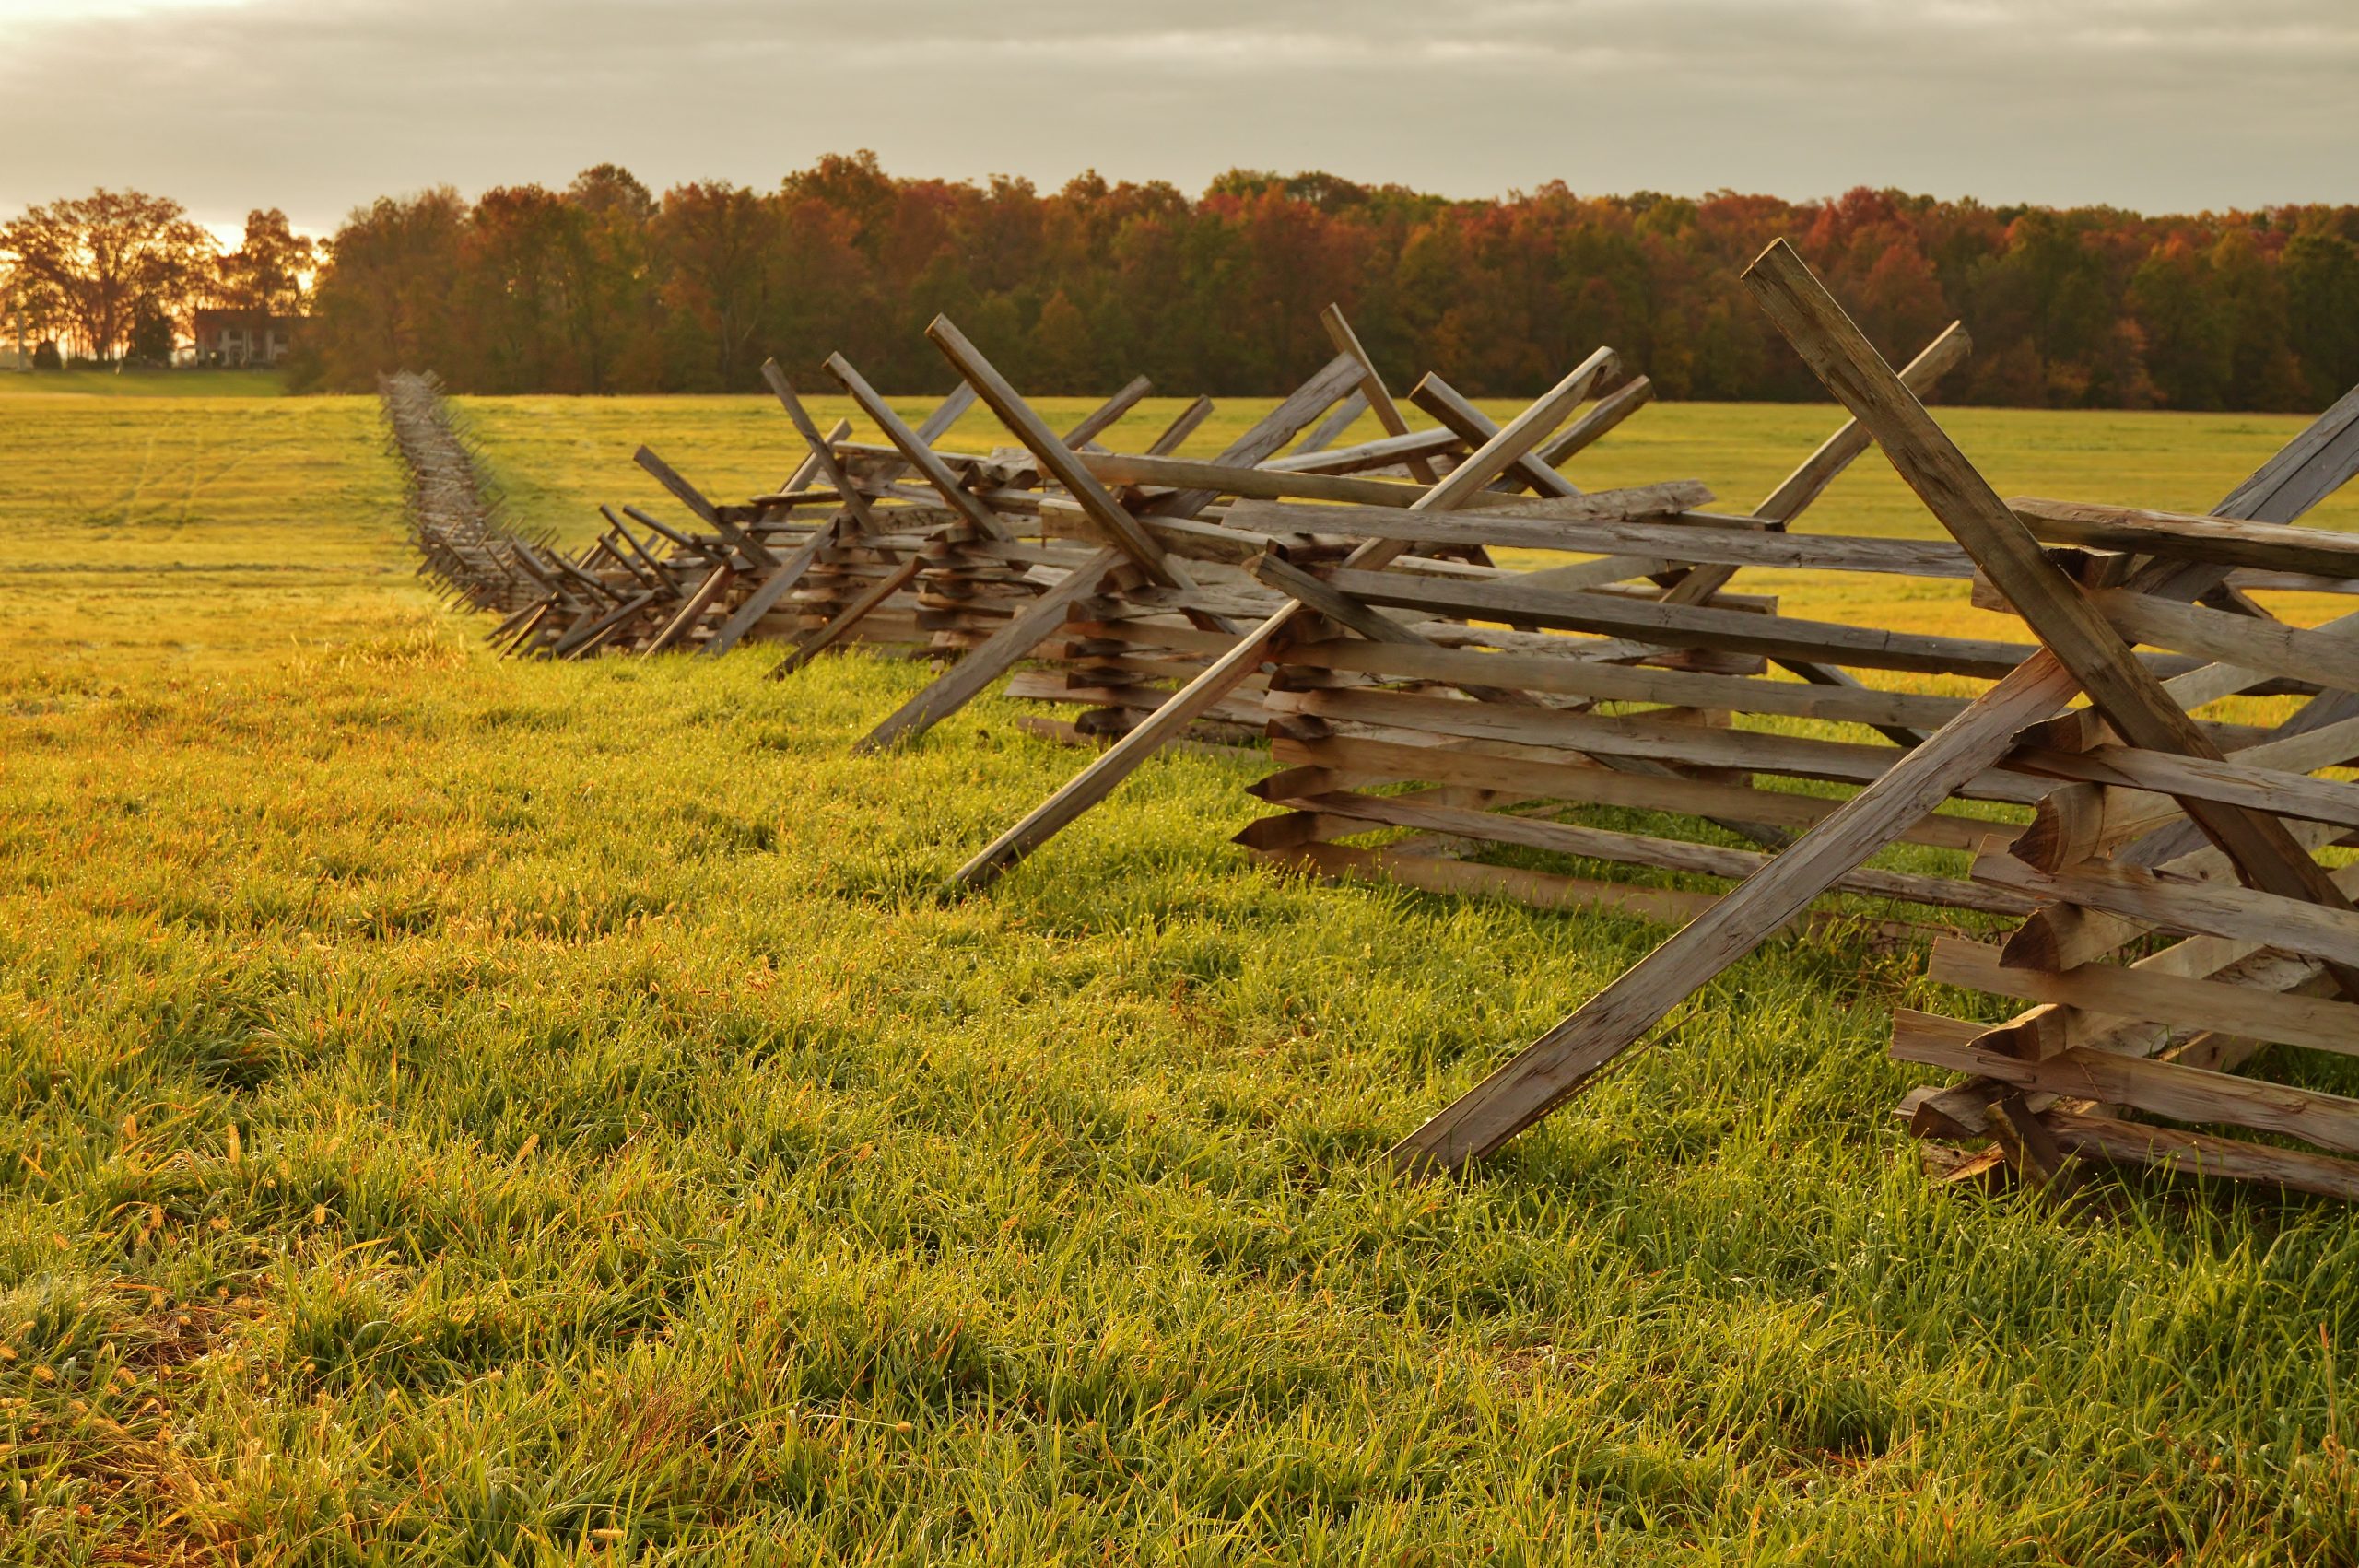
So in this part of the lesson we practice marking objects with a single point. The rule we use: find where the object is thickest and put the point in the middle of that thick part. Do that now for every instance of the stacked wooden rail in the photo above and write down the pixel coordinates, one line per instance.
(1637, 699)
(845, 550)
(1486, 689)
(1161, 576)
(1627, 686)
(1123, 650)
(2179, 911)
(2156, 969)
(1502, 461)
(1126, 649)
(907, 544)
(463, 545)
(1120, 570)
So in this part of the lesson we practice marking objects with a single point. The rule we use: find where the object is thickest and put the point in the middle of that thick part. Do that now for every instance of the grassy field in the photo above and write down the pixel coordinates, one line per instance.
(479, 1113)
(134, 382)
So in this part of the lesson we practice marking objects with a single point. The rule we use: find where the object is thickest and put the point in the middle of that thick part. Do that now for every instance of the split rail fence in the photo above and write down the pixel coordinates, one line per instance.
(2147, 877)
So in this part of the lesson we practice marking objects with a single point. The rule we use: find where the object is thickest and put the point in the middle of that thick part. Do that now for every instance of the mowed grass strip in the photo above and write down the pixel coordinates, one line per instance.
(464, 1112)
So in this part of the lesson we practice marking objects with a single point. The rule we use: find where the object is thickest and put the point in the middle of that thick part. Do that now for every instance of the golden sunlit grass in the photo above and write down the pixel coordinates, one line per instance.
(468, 1112)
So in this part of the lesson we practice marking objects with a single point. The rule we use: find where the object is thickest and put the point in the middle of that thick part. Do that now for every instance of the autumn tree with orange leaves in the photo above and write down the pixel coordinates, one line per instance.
(95, 271)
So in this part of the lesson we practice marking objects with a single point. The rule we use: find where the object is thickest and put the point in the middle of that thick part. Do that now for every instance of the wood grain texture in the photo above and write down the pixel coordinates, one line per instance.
(1183, 425)
(1103, 417)
(2190, 537)
(2199, 1153)
(1568, 675)
(2174, 901)
(694, 500)
(2154, 994)
(782, 579)
(1119, 528)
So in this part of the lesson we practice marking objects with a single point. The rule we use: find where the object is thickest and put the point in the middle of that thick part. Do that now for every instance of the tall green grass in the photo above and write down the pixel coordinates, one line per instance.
(466, 1112)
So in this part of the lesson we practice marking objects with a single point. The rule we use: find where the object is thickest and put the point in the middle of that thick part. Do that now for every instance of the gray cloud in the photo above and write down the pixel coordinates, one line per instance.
(316, 105)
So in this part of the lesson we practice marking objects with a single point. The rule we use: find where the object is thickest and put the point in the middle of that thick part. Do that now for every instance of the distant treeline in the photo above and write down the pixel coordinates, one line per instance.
(605, 287)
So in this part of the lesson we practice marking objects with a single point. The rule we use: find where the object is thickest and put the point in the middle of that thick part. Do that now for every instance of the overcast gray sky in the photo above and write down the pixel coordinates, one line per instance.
(317, 105)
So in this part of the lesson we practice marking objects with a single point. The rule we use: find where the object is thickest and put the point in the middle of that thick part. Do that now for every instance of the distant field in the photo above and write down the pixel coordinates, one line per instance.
(142, 383)
(454, 1111)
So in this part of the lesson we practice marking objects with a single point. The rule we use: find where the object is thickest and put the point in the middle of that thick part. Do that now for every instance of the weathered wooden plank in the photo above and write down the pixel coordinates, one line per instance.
(1822, 468)
(1351, 613)
(1103, 417)
(2049, 1027)
(1687, 625)
(1695, 584)
(2199, 1153)
(811, 646)
(791, 572)
(654, 572)
(535, 615)
(2212, 681)
(1267, 437)
(581, 638)
(2317, 461)
(1809, 481)
(2323, 658)
(2235, 781)
(694, 500)
(2065, 934)
(2188, 537)
(771, 589)
(1409, 449)
(1326, 432)
(1183, 425)
(1597, 421)
(1119, 527)
(947, 412)
(823, 455)
(1515, 769)
(1444, 402)
(1212, 480)
(2306, 470)
(1570, 675)
(2039, 1160)
(523, 616)
(680, 541)
(1644, 850)
(1619, 524)
(1654, 739)
(2325, 932)
(809, 466)
(692, 611)
(1372, 388)
(2154, 994)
